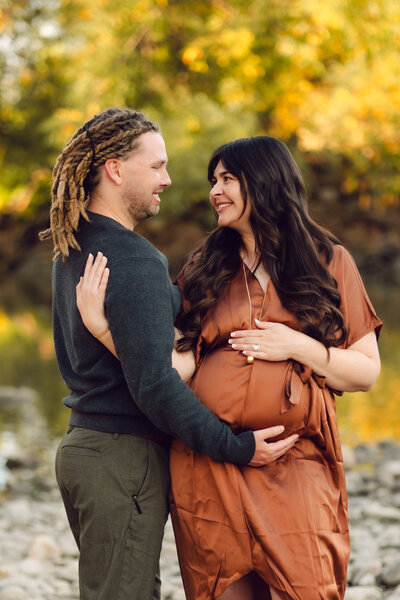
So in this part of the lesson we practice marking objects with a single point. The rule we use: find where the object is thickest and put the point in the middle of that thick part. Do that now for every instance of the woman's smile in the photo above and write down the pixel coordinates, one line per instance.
(227, 199)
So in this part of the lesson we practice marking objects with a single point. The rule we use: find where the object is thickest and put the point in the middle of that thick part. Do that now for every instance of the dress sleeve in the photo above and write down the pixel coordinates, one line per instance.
(359, 314)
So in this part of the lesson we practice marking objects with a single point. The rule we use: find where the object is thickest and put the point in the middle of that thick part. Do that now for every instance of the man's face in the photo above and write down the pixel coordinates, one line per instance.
(144, 177)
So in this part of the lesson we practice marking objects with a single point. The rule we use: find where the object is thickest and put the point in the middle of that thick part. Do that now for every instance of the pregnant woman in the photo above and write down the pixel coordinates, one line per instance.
(279, 322)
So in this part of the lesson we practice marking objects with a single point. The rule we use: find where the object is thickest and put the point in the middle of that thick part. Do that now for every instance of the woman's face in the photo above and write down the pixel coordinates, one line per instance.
(227, 200)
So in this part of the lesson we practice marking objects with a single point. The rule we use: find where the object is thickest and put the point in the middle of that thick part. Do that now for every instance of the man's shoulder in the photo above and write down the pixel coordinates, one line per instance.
(102, 234)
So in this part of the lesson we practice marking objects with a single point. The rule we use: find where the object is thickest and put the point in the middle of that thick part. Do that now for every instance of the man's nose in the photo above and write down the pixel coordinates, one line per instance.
(166, 180)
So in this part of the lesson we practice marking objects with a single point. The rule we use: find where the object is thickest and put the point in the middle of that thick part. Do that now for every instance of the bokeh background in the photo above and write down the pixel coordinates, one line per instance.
(324, 76)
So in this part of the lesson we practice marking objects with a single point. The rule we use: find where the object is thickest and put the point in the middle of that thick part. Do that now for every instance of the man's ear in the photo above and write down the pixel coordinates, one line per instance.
(112, 168)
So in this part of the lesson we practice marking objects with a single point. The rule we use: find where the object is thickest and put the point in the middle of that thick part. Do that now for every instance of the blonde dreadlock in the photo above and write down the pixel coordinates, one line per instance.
(110, 134)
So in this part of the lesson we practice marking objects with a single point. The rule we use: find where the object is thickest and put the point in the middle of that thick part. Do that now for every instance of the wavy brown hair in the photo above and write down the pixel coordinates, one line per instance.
(112, 133)
(293, 249)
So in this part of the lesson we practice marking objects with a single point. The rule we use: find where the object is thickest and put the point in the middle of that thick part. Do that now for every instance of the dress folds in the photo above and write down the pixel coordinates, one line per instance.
(288, 520)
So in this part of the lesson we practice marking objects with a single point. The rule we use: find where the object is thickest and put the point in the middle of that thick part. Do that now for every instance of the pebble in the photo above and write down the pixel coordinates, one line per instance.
(39, 557)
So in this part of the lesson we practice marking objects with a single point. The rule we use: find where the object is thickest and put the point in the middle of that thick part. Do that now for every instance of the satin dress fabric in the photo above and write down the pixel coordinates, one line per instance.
(288, 520)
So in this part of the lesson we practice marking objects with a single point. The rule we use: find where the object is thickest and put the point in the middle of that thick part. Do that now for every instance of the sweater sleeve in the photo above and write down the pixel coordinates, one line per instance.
(140, 315)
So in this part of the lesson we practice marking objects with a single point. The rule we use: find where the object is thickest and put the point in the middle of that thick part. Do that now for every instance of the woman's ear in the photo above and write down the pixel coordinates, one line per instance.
(112, 168)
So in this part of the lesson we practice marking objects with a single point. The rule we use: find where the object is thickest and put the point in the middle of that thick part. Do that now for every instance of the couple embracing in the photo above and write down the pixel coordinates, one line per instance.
(229, 420)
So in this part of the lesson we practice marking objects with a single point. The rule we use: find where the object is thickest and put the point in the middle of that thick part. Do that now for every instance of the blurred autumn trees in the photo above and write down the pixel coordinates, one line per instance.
(323, 75)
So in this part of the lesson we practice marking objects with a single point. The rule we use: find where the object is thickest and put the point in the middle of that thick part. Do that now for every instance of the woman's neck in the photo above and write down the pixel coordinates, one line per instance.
(249, 253)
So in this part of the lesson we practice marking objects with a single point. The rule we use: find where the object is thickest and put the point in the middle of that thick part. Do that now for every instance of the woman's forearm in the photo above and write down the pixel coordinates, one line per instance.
(352, 369)
(184, 363)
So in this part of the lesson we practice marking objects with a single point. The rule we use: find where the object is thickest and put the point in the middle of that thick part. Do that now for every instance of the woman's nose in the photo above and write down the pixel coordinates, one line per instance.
(215, 190)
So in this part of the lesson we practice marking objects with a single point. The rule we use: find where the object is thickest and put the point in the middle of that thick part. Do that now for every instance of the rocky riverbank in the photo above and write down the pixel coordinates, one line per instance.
(38, 557)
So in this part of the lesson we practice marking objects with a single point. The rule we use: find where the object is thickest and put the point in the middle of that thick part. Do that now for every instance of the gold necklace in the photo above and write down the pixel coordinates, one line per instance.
(250, 359)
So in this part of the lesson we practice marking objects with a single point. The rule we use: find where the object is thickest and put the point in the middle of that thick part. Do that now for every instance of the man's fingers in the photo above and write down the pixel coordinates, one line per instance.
(269, 432)
(283, 445)
(267, 452)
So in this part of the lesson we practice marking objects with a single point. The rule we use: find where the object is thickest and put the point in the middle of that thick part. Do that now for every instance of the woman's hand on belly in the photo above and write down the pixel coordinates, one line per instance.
(267, 452)
(273, 341)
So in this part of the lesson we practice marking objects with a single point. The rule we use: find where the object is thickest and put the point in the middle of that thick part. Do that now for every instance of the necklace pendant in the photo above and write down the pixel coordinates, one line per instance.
(250, 360)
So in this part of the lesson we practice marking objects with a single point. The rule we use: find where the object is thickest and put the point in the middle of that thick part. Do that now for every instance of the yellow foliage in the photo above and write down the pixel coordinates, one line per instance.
(25, 325)
(239, 41)
(193, 124)
(327, 14)
(3, 19)
(223, 60)
(26, 77)
(85, 14)
(4, 320)
(19, 199)
(251, 68)
(364, 201)
(191, 54)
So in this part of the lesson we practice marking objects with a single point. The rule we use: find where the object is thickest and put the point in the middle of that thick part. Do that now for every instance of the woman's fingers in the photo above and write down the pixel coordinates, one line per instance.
(243, 333)
(94, 270)
(88, 266)
(78, 287)
(104, 280)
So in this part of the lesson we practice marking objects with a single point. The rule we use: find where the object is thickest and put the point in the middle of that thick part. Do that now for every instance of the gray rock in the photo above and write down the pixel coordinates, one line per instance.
(375, 510)
(391, 573)
(365, 454)
(44, 548)
(349, 457)
(365, 569)
(389, 475)
(354, 483)
(13, 592)
(19, 513)
(363, 593)
(390, 537)
(367, 579)
(31, 566)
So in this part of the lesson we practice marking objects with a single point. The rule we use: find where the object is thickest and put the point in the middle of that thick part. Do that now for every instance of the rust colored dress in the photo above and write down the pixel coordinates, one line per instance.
(288, 520)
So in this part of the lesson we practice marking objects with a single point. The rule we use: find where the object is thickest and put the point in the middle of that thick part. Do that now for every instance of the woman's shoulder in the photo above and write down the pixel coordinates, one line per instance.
(341, 259)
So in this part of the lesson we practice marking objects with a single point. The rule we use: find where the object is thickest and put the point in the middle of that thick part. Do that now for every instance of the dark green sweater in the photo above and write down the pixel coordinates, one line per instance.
(140, 393)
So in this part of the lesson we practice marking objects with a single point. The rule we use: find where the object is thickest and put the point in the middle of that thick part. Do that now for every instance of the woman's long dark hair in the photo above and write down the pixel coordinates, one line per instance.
(293, 249)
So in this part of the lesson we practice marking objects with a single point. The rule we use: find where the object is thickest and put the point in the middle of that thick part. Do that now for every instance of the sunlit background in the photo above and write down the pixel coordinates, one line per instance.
(322, 76)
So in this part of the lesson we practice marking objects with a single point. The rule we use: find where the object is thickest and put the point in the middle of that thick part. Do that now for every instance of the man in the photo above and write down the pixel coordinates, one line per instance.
(112, 465)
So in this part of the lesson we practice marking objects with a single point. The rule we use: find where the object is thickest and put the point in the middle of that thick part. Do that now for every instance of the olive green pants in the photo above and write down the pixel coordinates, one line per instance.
(115, 489)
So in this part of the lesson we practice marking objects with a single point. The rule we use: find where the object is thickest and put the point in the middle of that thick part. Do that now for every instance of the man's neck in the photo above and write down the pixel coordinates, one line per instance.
(98, 205)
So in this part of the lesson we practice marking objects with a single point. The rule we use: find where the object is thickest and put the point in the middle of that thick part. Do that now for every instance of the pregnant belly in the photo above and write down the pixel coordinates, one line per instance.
(247, 396)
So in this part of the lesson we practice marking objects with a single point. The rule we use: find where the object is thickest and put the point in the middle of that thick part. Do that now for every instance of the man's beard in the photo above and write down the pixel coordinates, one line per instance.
(140, 209)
